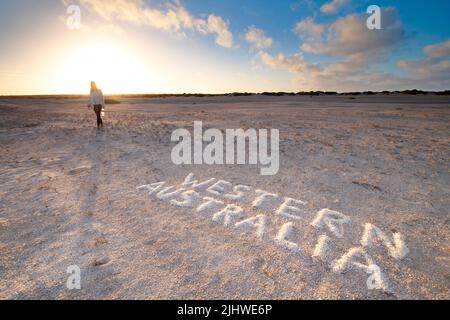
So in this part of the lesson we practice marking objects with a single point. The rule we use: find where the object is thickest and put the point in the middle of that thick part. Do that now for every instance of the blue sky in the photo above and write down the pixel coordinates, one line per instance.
(217, 46)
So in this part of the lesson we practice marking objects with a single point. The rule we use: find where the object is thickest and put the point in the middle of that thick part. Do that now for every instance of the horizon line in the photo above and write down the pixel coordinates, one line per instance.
(235, 93)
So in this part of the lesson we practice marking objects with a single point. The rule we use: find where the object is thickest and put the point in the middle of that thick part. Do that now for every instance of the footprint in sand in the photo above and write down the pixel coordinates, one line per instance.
(97, 242)
(79, 170)
(101, 262)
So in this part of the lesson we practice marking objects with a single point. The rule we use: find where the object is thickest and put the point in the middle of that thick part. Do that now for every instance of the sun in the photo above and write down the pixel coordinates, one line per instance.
(113, 68)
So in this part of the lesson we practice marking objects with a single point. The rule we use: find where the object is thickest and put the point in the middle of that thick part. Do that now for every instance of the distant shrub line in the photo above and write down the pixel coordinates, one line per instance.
(110, 100)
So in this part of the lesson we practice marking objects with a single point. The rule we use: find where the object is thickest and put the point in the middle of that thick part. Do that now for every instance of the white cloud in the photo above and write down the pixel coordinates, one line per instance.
(354, 73)
(175, 18)
(257, 38)
(307, 28)
(217, 25)
(338, 76)
(333, 6)
(349, 35)
(438, 50)
(435, 67)
(427, 68)
(294, 63)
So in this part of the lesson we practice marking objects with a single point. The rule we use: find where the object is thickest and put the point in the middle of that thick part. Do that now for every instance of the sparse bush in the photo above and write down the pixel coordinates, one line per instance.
(111, 101)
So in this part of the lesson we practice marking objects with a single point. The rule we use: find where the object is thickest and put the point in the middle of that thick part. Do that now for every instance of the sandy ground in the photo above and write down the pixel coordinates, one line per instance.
(68, 197)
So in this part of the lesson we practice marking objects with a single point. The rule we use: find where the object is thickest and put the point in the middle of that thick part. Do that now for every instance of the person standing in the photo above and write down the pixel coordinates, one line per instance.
(97, 102)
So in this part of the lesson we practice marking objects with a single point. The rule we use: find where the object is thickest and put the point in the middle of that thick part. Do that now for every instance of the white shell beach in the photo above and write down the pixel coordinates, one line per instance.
(68, 196)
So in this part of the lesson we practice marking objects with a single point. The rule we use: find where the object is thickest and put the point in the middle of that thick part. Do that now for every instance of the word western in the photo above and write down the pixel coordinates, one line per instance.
(329, 223)
(213, 153)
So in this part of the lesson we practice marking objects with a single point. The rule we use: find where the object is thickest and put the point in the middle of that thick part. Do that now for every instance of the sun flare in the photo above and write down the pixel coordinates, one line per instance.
(113, 68)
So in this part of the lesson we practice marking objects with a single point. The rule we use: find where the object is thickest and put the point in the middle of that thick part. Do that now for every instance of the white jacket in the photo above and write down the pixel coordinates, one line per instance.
(96, 97)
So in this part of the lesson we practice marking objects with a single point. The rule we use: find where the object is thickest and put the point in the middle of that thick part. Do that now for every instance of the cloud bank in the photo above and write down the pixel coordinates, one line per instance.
(357, 51)
(174, 18)
(351, 56)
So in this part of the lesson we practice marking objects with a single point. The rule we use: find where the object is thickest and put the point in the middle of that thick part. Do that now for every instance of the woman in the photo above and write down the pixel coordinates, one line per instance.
(97, 102)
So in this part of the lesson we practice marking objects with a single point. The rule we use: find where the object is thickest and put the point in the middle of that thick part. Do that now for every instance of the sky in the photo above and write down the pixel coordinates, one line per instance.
(218, 46)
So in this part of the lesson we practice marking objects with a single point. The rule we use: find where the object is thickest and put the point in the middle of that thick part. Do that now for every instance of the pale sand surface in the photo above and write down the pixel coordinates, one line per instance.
(68, 197)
